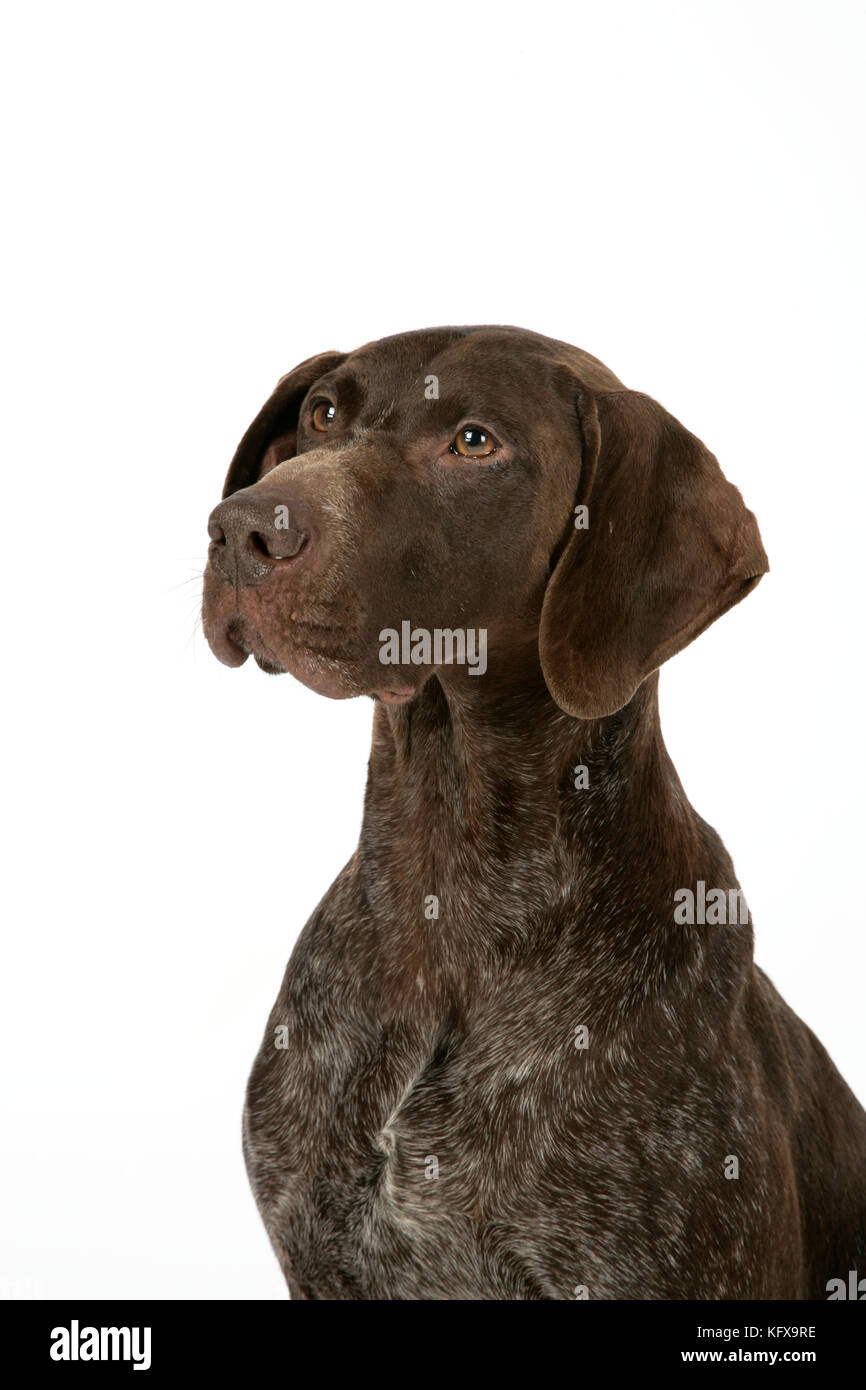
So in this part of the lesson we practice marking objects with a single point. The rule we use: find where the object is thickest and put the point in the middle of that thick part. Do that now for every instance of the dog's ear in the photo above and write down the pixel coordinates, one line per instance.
(278, 416)
(665, 546)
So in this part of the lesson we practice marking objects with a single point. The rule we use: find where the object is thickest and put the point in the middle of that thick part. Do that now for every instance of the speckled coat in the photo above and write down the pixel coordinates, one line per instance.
(497, 1067)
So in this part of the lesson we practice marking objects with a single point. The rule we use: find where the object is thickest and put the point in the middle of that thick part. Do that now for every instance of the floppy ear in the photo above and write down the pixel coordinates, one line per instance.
(668, 548)
(278, 416)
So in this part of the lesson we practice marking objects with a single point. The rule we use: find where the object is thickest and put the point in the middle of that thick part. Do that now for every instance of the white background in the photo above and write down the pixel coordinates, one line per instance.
(199, 196)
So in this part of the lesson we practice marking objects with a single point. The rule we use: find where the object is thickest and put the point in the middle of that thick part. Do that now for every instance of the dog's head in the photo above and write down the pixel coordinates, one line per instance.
(389, 506)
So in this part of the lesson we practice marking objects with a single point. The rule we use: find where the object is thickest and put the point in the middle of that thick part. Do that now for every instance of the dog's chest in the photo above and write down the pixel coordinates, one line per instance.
(386, 1168)
(373, 1160)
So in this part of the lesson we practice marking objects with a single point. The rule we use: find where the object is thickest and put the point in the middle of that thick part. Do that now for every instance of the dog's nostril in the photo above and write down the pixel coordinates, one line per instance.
(283, 545)
(251, 537)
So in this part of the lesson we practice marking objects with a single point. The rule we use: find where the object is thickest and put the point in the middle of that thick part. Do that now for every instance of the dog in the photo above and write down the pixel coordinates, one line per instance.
(508, 1060)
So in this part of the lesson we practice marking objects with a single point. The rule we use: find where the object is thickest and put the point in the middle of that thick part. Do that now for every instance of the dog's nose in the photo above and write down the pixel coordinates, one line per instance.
(252, 535)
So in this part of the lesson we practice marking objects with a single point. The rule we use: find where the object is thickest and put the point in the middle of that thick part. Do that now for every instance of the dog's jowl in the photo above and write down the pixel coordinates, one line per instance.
(504, 1061)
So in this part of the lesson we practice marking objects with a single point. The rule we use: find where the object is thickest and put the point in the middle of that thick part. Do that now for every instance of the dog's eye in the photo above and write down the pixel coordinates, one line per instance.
(473, 442)
(323, 415)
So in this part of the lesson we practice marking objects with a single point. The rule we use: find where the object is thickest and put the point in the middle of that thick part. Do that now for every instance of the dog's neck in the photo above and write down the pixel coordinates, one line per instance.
(480, 764)
(492, 820)
(466, 757)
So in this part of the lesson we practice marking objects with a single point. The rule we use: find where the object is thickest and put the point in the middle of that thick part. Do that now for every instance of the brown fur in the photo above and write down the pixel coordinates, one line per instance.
(408, 1038)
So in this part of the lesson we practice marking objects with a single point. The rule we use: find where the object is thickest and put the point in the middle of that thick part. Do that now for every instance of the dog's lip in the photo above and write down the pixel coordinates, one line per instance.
(268, 665)
(248, 639)
(227, 644)
(236, 640)
(400, 695)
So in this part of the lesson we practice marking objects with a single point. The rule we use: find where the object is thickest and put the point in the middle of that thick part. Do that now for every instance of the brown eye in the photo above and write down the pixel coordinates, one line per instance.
(323, 415)
(473, 442)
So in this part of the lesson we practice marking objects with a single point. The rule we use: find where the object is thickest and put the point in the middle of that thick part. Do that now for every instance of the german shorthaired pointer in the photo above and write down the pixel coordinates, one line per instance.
(521, 1050)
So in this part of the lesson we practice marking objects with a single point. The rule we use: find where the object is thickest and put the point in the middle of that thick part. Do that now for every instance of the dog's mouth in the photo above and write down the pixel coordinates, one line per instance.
(241, 641)
(318, 642)
(310, 651)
